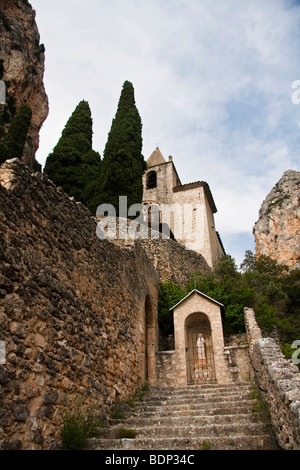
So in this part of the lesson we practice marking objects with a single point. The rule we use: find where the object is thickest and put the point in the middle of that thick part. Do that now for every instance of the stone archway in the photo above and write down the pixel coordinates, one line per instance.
(200, 366)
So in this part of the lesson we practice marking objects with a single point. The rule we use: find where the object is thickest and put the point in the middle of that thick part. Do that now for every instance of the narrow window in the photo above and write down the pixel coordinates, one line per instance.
(151, 180)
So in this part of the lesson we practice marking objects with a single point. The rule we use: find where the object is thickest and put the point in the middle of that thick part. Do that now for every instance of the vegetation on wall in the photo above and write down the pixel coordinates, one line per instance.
(262, 284)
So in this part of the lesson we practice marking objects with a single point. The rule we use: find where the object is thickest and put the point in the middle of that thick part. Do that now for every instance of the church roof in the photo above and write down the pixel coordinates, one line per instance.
(199, 293)
(156, 158)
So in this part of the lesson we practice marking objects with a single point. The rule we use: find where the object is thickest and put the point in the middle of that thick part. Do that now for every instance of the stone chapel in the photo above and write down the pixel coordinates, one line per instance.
(185, 210)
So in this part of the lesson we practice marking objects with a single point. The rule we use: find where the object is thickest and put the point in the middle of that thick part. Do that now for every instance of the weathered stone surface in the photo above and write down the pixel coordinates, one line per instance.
(186, 209)
(277, 231)
(172, 260)
(279, 381)
(24, 60)
(73, 312)
(218, 417)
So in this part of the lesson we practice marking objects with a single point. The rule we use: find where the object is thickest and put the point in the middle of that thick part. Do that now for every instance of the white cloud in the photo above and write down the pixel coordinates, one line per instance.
(213, 85)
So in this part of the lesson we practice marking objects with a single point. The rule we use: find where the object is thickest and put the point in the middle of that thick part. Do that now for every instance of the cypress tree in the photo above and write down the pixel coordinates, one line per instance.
(73, 164)
(123, 163)
(13, 141)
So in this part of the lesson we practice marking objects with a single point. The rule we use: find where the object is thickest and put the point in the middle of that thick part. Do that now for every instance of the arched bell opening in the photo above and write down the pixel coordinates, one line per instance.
(199, 350)
(151, 180)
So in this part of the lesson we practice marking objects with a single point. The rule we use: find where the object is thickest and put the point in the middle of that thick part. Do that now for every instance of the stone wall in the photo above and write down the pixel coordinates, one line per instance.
(279, 381)
(72, 311)
(198, 227)
(236, 353)
(167, 368)
(170, 259)
(173, 261)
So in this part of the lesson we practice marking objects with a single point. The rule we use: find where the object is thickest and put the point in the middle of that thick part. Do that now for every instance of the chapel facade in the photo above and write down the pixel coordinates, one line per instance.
(185, 212)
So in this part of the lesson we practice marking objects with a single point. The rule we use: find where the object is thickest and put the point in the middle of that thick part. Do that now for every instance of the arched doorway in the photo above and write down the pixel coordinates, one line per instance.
(149, 342)
(199, 350)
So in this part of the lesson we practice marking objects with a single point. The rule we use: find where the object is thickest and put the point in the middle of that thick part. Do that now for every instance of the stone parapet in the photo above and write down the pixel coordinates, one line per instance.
(279, 381)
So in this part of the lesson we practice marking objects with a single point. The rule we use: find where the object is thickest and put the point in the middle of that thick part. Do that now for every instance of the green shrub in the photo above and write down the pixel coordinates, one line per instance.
(262, 284)
(126, 434)
(169, 295)
(13, 142)
(117, 412)
(77, 428)
(205, 446)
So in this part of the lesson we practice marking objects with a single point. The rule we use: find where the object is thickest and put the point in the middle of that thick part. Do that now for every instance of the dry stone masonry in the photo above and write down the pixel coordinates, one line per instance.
(279, 380)
(74, 311)
(78, 318)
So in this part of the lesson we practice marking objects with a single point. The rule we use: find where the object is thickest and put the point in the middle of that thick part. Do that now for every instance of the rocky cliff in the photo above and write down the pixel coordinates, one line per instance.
(23, 63)
(277, 231)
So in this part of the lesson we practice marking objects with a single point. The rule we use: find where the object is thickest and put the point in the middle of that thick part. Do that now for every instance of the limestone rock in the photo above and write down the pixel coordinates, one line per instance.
(24, 61)
(277, 231)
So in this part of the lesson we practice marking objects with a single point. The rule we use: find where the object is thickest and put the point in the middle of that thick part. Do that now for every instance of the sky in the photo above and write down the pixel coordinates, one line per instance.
(213, 84)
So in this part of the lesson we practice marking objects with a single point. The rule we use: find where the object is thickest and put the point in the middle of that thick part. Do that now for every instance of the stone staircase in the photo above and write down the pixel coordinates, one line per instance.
(216, 417)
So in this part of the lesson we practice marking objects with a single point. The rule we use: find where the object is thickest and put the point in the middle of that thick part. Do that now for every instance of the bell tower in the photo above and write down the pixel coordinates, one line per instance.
(186, 209)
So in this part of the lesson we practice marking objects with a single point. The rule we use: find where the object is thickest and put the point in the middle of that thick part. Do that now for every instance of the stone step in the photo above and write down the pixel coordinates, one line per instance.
(189, 430)
(200, 420)
(215, 406)
(198, 394)
(208, 386)
(213, 398)
(191, 418)
(191, 389)
(243, 442)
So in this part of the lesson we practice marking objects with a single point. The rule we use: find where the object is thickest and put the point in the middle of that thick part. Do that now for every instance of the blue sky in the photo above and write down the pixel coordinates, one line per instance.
(213, 85)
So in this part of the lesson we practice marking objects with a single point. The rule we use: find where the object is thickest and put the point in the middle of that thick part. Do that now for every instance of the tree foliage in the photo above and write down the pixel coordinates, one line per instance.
(123, 163)
(73, 164)
(169, 295)
(13, 140)
(269, 288)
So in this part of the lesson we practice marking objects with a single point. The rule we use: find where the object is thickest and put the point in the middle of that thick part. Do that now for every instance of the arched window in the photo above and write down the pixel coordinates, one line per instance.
(151, 180)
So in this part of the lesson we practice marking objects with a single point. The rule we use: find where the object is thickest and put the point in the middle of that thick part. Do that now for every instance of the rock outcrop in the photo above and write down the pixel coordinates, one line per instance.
(23, 63)
(277, 231)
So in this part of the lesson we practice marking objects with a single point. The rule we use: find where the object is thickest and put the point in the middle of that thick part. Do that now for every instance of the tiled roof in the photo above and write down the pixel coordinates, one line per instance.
(156, 158)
